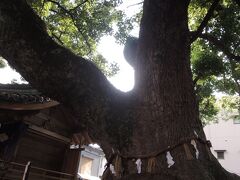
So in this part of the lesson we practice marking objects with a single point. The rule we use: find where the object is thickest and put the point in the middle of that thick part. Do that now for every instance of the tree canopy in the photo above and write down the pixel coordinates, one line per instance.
(80, 24)
(215, 56)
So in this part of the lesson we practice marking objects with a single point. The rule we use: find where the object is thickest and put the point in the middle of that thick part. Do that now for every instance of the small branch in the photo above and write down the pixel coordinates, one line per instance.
(68, 12)
(57, 38)
(135, 4)
(195, 80)
(59, 5)
(205, 20)
(220, 45)
(42, 7)
(54, 11)
(80, 4)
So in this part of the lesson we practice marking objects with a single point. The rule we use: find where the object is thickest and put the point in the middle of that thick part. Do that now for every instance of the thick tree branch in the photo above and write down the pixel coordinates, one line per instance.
(58, 73)
(205, 21)
(49, 67)
(220, 45)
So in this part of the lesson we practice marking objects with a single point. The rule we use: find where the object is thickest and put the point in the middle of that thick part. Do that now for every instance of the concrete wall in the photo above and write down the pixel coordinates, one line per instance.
(98, 161)
(225, 135)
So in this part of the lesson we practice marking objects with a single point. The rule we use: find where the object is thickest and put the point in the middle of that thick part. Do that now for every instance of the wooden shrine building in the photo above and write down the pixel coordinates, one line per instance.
(34, 136)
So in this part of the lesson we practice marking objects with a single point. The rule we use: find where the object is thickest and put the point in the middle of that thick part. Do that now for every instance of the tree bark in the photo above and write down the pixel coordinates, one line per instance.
(159, 115)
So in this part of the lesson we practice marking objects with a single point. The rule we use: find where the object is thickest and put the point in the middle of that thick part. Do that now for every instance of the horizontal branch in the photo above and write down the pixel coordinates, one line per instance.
(220, 45)
(48, 66)
(59, 74)
(205, 21)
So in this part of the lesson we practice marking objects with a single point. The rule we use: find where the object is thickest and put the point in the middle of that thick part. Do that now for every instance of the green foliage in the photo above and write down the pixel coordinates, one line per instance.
(208, 109)
(80, 24)
(197, 10)
(109, 69)
(230, 105)
(212, 69)
(2, 63)
(207, 101)
(206, 64)
(230, 102)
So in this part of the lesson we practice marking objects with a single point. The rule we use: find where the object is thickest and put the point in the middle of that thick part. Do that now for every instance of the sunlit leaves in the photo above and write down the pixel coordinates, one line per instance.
(109, 69)
(207, 101)
(208, 109)
(80, 24)
(230, 102)
(213, 71)
(231, 105)
(2, 63)
(206, 64)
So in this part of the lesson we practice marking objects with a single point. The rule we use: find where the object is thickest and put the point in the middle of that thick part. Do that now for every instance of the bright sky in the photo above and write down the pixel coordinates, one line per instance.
(7, 75)
(112, 51)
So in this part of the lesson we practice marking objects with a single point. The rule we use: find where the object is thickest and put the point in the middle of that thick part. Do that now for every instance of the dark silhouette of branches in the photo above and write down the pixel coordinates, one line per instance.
(206, 19)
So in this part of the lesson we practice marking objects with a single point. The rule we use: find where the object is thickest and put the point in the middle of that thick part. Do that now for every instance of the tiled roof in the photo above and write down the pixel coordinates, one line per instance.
(20, 93)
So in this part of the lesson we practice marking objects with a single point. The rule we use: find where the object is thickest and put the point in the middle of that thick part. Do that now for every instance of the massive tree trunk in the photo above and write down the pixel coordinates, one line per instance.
(159, 117)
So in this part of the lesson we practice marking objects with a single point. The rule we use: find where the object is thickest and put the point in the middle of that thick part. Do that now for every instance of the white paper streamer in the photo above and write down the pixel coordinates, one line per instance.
(196, 134)
(111, 167)
(139, 165)
(169, 159)
(195, 146)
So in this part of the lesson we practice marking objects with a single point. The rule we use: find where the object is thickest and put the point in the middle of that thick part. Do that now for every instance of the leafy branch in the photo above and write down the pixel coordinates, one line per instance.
(77, 6)
(205, 21)
(58, 38)
(69, 13)
(139, 3)
(220, 45)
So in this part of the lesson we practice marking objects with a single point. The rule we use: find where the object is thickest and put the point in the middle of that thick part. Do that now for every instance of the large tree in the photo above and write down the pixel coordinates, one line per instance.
(156, 125)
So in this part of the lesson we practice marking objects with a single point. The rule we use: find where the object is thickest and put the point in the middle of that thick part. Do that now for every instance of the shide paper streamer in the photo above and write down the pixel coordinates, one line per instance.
(193, 142)
(169, 159)
(139, 164)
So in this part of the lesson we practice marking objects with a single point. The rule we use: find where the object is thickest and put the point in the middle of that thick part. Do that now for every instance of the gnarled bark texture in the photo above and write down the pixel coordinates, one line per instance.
(160, 114)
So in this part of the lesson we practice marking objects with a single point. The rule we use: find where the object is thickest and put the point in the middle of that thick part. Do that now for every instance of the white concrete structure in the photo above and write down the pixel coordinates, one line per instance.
(225, 139)
(92, 162)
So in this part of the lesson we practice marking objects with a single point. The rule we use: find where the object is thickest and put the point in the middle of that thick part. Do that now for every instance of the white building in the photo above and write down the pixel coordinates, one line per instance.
(225, 139)
(92, 162)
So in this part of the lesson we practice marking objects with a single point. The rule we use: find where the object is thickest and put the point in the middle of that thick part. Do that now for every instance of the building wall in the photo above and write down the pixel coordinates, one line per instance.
(92, 161)
(225, 137)
(41, 151)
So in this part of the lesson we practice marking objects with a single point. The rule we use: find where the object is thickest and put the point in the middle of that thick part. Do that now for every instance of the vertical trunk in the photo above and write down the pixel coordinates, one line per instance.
(163, 76)
(165, 109)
